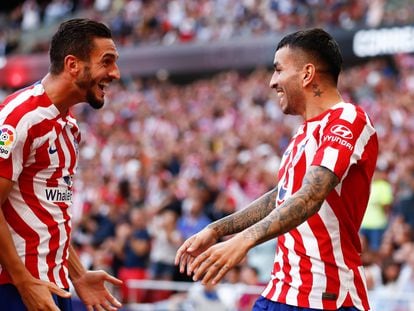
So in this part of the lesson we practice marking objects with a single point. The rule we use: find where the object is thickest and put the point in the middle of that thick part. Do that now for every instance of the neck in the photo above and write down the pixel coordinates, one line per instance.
(321, 101)
(60, 92)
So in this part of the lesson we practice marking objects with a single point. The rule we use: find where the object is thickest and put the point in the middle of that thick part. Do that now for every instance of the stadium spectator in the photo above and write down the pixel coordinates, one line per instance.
(193, 217)
(166, 239)
(405, 256)
(249, 276)
(138, 22)
(135, 252)
(378, 212)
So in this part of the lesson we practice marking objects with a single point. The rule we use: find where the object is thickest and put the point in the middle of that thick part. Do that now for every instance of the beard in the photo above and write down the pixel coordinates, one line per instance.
(87, 83)
(94, 102)
(295, 100)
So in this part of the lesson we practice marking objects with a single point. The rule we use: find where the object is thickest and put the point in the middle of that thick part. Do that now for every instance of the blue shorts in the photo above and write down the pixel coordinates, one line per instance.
(264, 304)
(10, 300)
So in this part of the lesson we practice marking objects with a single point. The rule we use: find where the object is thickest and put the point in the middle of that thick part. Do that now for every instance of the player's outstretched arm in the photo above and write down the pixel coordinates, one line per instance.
(90, 285)
(317, 184)
(231, 224)
(246, 217)
(212, 264)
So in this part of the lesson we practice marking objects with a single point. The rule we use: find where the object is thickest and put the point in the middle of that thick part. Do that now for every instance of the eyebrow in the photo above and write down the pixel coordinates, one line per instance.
(110, 55)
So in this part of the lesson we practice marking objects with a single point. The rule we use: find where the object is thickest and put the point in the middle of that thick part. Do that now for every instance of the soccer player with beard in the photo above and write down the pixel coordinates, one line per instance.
(38, 156)
(316, 210)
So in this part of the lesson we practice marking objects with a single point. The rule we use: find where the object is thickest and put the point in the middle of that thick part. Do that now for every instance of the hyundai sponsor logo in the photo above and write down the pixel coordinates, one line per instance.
(342, 131)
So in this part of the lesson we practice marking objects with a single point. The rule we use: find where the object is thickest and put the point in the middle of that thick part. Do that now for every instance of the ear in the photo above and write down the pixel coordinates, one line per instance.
(72, 65)
(309, 71)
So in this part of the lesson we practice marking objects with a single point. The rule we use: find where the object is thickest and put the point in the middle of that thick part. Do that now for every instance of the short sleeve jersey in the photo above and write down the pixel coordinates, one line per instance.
(317, 265)
(38, 152)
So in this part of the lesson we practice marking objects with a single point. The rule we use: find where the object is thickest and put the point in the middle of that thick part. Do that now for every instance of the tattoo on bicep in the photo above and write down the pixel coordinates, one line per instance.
(317, 184)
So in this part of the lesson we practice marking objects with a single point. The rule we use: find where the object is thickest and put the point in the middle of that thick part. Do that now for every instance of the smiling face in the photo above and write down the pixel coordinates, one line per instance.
(98, 72)
(287, 80)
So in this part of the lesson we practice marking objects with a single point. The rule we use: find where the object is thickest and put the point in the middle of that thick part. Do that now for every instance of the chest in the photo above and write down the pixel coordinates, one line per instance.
(52, 149)
(301, 148)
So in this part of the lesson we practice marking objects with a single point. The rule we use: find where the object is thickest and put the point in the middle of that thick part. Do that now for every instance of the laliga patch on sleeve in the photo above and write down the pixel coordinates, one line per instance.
(7, 140)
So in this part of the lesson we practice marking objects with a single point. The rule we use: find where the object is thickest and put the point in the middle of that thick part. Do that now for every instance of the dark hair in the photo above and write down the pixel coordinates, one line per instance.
(75, 37)
(319, 44)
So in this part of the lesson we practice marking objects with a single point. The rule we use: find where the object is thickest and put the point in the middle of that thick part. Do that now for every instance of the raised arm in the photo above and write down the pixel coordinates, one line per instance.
(212, 264)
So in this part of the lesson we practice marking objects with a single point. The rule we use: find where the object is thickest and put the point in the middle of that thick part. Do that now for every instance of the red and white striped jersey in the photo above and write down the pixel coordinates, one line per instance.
(317, 265)
(38, 151)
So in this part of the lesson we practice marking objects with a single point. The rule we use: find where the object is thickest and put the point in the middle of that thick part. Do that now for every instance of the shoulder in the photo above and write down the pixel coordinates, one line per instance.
(347, 126)
(348, 112)
(348, 117)
(25, 105)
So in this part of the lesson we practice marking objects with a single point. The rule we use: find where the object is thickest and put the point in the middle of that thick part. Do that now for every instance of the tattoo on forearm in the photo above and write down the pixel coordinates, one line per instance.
(246, 217)
(307, 201)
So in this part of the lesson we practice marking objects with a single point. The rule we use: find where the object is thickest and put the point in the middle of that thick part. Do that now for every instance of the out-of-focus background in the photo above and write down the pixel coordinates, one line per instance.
(192, 133)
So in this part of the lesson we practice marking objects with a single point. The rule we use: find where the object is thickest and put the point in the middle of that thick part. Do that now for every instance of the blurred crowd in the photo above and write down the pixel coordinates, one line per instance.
(136, 22)
(162, 160)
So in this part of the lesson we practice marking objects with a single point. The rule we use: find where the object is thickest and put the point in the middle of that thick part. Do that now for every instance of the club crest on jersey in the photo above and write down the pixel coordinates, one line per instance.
(68, 181)
(281, 192)
(7, 140)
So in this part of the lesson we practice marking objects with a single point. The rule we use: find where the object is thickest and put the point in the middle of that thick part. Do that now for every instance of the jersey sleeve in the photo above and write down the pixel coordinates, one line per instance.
(343, 139)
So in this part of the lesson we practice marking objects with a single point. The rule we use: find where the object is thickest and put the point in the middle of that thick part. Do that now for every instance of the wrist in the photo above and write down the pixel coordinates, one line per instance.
(248, 239)
(75, 267)
(19, 275)
(214, 231)
(76, 272)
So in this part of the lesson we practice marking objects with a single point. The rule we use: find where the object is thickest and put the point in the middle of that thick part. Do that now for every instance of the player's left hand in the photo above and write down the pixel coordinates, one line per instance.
(211, 265)
(91, 289)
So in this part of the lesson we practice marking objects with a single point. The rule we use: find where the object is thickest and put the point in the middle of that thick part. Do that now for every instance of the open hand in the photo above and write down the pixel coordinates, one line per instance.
(194, 246)
(215, 262)
(91, 289)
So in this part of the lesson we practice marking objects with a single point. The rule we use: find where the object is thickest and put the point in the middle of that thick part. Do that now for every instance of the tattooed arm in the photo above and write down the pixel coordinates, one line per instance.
(231, 224)
(317, 184)
(246, 217)
(212, 264)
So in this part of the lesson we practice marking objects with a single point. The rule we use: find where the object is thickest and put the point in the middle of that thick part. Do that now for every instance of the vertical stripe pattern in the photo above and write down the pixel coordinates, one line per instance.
(318, 264)
(42, 161)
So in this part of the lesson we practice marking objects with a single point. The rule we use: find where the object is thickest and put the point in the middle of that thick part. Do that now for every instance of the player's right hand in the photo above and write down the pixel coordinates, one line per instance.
(193, 247)
(37, 294)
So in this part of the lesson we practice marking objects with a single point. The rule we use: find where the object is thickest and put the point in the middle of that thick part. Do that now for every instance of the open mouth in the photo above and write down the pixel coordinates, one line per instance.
(103, 85)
